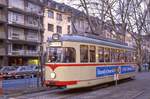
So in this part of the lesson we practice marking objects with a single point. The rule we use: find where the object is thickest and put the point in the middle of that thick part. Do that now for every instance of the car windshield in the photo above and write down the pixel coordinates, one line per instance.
(8, 69)
(61, 55)
(26, 68)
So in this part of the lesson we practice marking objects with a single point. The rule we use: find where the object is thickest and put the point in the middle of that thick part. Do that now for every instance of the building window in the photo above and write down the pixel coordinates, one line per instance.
(32, 21)
(59, 29)
(15, 18)
(69, 32)
(50, 27)
(31, 48)
(50, 14)
(69, 19)
(84, 53)
(17, 47)
(59, 17)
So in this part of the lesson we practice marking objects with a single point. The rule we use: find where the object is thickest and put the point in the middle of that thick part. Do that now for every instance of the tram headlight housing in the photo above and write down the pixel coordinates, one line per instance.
(53, 75)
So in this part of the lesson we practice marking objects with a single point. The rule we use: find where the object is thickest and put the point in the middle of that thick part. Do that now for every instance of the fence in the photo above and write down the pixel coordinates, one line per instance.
(1, 89)
(15, 86)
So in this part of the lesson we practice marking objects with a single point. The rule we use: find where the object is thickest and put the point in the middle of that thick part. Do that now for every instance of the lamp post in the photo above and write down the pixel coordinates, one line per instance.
(40, 54)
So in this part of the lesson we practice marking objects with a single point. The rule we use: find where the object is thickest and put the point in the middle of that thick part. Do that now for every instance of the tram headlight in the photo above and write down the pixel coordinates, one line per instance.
(53, 75)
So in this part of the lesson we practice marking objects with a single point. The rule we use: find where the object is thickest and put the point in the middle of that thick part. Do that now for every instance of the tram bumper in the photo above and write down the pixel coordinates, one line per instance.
(59, 83)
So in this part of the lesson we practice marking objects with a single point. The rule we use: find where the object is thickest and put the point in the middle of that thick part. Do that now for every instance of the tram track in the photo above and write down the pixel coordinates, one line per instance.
(138, 94)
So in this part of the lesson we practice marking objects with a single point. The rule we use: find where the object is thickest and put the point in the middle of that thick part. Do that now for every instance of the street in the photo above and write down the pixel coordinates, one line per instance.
(133, 89)
(19, 83)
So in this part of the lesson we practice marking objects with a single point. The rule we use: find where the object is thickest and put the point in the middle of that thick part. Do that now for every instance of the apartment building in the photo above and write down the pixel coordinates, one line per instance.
(56, 20)
(21, 31)
(3, 21)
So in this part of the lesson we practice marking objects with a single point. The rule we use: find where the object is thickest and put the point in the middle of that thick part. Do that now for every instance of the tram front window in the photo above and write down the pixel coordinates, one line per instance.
(61, 55)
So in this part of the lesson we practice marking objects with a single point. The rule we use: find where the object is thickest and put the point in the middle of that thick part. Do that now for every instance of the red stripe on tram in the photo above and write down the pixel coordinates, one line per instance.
(60, 83)
(54, 66)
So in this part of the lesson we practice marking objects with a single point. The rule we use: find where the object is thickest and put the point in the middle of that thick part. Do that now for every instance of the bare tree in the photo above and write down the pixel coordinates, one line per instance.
(132, 14)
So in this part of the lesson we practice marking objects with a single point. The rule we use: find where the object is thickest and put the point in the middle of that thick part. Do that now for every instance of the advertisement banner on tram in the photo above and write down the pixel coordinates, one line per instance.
(111, 70)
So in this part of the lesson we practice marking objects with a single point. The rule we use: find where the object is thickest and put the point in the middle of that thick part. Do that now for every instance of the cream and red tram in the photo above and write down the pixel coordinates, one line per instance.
(77, 61)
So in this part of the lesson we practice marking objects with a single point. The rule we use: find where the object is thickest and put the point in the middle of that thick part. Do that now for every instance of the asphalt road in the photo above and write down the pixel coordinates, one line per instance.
(134, 89)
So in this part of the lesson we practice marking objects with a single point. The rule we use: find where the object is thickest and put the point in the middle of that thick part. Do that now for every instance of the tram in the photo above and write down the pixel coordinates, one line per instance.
(77, 61)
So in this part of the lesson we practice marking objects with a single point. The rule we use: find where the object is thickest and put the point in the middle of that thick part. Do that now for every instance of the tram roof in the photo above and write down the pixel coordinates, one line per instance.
(83, 39)
(77, 38)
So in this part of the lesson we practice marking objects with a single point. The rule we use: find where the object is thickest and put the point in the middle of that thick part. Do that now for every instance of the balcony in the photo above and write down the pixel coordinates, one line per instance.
(2, 51)
(2, 3)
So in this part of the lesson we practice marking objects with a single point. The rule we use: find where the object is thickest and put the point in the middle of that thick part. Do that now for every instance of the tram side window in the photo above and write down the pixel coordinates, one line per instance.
(113, 55)
(92, 54)
(128, 56)
(84, 53)
(101, 54)
(121, 55)
(69, 55)
(107, 54)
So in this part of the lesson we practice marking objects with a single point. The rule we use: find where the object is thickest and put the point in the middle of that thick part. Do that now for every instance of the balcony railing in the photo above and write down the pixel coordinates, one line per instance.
(33, 39)
(19, 52)
(24, 53)
(32, 53)
(2, 2)
(2, 51)
(31, 25)
(17, 37)
(33, 11)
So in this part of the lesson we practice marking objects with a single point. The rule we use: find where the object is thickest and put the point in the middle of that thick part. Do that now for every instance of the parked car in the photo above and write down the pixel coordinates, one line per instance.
(7, 71)
(27, 71)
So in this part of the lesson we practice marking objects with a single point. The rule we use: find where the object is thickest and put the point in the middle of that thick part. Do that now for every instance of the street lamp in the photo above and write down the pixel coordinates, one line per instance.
(40, 54)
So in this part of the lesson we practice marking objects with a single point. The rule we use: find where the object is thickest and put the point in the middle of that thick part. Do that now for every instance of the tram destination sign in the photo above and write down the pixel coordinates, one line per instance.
(55, 44)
